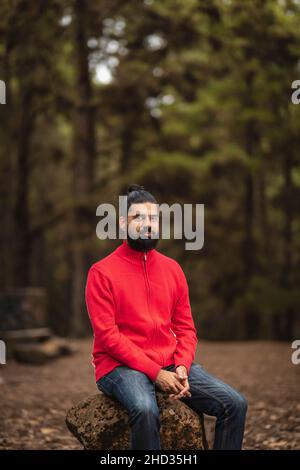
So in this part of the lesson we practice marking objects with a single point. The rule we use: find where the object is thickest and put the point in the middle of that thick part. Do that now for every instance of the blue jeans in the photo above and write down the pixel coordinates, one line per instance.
(209, 395)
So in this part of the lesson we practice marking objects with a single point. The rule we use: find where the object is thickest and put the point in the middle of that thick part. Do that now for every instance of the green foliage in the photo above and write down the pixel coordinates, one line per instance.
(198, 110)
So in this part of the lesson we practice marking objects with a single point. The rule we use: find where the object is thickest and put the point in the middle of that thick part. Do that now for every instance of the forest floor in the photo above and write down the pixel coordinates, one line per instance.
(34, 399)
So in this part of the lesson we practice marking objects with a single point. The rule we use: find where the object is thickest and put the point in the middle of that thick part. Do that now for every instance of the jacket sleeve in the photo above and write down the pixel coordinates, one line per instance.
(101, 310)
(183, 326)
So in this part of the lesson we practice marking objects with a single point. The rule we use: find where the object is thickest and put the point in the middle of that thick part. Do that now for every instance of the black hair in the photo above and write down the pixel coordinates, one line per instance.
(138, 194)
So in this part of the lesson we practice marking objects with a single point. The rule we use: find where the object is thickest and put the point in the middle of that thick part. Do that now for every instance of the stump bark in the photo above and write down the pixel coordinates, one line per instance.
(101, 423)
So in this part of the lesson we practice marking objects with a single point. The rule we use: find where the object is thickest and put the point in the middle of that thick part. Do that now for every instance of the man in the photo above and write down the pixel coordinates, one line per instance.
(144, 334)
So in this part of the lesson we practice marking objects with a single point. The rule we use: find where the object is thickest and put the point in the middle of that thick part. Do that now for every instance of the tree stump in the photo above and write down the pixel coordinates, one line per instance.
(101, 423)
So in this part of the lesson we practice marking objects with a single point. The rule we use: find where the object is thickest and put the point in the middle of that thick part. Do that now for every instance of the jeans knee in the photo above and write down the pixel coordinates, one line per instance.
(236, 405)
(241, 404)
(146, 409)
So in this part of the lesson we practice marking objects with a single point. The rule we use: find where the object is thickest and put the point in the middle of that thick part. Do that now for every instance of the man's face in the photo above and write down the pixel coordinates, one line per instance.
(142, 226)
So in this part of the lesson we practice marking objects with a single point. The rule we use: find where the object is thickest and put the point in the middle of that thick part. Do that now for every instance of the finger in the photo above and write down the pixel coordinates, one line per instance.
(181, 375)
(179, 395)
(184, 392)
(177, 383)
(176, 387)
(182, 379)
(179, 386)
(176, 396)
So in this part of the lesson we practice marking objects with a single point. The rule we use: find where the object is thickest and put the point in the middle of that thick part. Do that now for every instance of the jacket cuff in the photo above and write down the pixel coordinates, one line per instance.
(153, 372)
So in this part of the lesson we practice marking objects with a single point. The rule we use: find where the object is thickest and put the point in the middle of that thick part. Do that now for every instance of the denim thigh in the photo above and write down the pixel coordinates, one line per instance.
(132, 388)
(211, 395)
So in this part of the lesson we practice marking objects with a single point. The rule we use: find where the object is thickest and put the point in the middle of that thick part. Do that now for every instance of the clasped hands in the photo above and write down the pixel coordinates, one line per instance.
(174, 383)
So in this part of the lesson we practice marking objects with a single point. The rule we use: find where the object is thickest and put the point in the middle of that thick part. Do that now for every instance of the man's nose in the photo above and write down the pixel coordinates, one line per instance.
(147, 222)
(147, 228)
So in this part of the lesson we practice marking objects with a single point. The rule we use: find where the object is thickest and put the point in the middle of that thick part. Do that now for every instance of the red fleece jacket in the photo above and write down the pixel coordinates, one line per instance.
(140, 312)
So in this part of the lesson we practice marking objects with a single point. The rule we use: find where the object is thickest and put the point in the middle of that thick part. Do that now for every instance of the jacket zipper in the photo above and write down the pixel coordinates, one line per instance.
(148, 299)
(172, 332)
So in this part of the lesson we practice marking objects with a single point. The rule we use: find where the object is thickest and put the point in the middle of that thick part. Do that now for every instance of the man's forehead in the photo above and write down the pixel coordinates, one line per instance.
(143, 208)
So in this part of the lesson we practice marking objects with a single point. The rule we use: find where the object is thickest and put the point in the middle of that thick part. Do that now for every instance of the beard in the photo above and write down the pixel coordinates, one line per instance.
(142, 244)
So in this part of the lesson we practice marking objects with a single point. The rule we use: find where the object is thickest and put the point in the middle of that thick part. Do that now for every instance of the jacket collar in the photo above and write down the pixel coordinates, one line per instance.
(125, 251)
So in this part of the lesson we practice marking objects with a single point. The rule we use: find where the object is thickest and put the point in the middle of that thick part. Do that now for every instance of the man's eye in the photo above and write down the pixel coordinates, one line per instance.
(154, 218)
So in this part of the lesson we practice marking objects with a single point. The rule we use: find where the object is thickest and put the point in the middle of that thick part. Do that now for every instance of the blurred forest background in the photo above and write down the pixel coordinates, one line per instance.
(191, 98)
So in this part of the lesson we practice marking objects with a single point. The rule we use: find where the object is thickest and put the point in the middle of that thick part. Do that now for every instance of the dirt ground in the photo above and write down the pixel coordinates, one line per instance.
(34, 399)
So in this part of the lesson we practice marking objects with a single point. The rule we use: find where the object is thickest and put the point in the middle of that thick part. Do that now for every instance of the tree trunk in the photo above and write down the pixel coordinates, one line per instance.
(23, 238)
(83, 164)
(287, 240)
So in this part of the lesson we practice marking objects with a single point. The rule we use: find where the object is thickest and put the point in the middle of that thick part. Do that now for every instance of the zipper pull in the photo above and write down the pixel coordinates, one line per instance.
(145, 257)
